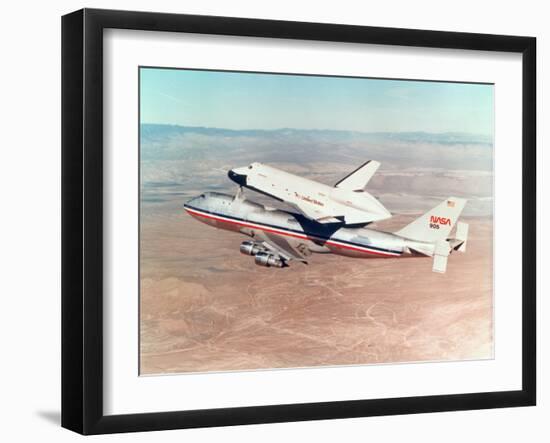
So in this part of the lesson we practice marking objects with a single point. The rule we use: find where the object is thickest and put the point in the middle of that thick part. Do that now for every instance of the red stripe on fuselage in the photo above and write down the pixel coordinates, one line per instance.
(288, 234)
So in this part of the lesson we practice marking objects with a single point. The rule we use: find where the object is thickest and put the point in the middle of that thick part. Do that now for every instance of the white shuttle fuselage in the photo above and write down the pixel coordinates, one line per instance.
(347, 202)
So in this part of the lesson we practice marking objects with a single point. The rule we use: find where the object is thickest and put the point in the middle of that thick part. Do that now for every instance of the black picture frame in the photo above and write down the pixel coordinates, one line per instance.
(82, 218)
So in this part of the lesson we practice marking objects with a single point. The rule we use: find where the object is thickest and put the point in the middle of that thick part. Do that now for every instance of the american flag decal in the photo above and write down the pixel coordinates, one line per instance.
(450, 204)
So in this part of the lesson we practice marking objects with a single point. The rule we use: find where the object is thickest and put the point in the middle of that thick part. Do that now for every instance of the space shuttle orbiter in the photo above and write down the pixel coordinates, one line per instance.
(347, 202)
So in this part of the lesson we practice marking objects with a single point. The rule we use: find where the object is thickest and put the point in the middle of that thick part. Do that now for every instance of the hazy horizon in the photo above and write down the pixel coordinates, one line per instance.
(417, 169)
(177, 125)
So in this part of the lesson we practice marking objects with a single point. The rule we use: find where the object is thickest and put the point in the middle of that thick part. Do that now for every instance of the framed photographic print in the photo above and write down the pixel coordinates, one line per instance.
(269, 221)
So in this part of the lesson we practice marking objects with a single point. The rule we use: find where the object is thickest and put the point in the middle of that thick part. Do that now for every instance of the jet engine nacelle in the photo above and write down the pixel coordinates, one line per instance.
(266, 259)
(250, 248)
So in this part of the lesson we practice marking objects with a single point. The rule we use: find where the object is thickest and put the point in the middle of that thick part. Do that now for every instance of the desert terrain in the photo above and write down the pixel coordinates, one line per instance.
(205, 307)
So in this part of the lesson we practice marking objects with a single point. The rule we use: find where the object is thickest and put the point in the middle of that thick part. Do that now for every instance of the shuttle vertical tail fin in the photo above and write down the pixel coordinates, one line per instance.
(359, 178)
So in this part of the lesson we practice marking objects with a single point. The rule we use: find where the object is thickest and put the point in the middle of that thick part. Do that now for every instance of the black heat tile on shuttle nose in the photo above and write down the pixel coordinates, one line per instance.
(240, 179)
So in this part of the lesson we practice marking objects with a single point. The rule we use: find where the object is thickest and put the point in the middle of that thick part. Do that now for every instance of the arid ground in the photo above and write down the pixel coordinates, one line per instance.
(206, 307)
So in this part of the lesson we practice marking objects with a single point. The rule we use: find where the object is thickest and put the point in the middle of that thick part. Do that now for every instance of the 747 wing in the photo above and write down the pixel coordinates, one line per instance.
(286, 248)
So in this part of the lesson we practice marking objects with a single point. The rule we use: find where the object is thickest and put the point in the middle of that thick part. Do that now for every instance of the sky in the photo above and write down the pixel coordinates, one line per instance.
(236, 100)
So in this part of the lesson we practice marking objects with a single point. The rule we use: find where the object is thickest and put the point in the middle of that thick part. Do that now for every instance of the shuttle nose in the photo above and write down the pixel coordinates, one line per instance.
(240, 179)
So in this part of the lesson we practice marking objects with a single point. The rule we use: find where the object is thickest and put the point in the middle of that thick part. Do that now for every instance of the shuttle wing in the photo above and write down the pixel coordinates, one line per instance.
(316, 214)
(359, 178)
(341, 213)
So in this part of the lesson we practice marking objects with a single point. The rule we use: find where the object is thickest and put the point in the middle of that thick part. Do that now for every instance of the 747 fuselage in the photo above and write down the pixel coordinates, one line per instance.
(253, 219)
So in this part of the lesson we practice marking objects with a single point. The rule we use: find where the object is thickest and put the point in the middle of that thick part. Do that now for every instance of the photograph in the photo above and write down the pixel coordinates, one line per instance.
(296, 221)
